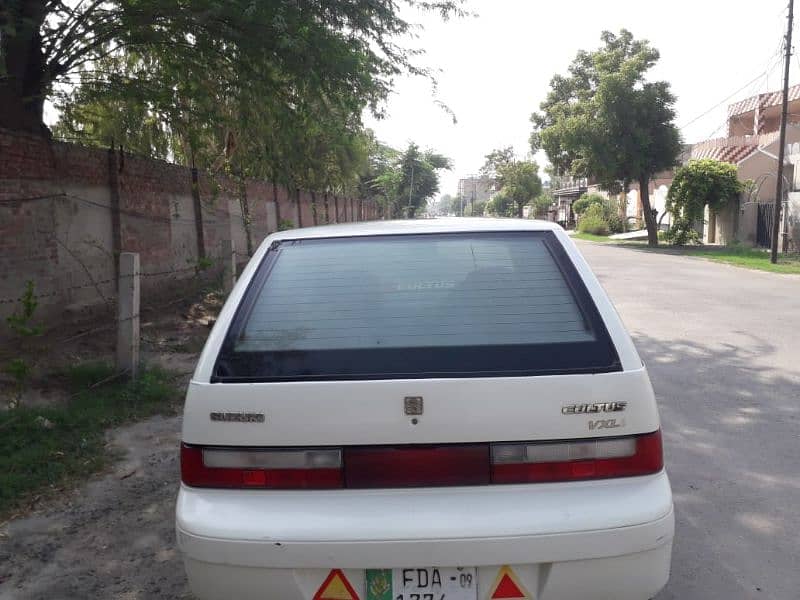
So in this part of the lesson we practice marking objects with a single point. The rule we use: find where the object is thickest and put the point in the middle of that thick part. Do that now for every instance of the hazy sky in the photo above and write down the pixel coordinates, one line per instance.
(495, 67)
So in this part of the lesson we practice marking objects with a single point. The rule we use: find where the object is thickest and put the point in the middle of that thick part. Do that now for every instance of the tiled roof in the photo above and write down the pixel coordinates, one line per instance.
(762, 100)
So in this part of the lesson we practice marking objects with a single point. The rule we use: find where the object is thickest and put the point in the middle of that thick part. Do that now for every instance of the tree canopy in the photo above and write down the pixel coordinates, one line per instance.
(605, 120)
(517, 181)
(273, 89)
(285, 46)
(407, 182)
(496, 161)
(501, 205)
(521, 183)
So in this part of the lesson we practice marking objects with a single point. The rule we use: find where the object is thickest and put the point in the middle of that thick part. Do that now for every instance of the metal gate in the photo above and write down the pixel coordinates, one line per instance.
(766, 218)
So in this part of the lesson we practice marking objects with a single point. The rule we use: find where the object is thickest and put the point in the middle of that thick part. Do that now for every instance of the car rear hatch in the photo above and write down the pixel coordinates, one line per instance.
(418, 361)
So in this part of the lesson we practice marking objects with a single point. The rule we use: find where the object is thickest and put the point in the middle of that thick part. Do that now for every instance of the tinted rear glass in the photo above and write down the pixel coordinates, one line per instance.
(421, 305)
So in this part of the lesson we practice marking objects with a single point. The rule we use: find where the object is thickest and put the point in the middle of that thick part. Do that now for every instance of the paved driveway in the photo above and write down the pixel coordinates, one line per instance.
(722, 345)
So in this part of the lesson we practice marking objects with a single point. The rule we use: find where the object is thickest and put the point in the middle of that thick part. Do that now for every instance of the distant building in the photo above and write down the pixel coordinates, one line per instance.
(565, 191)
(474, 188)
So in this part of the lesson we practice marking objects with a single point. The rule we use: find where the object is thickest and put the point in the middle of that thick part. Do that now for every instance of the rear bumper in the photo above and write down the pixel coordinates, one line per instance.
(613, 537)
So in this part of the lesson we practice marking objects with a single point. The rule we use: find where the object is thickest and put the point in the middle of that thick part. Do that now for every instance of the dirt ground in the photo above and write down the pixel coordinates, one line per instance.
(173, 328)
(113, 537)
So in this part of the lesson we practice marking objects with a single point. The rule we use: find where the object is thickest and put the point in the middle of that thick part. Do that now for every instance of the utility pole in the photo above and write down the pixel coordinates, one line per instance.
(776, 220)
(410, 189)
(474, 193)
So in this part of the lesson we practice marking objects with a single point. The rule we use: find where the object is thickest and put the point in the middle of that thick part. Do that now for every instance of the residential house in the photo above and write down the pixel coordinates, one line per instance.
(753, 145)
(565, 191)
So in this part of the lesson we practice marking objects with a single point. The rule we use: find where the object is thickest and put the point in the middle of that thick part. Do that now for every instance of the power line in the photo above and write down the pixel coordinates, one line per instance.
(723, 101)
(772, 62)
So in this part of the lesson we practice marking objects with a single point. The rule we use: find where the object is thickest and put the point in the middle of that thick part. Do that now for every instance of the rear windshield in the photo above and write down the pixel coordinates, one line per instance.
(477, 304)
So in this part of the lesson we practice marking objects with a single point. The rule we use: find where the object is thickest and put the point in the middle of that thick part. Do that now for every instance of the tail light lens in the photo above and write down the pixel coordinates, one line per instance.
(578, 460)
(414, 466)
(249, 468)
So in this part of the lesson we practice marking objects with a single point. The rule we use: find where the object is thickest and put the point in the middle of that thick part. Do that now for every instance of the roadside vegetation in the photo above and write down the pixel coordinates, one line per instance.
(46, 449)
(590, 237)
(698, 184)
(598, 215)
(741, 256)
(734, 254)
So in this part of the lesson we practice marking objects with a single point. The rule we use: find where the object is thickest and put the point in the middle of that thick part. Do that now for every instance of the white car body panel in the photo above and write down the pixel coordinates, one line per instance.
(307, 525)
(593, 539)
(456, 410)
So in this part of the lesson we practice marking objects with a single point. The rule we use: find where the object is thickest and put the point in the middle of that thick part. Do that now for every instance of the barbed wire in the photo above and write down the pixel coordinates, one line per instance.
(94, 284)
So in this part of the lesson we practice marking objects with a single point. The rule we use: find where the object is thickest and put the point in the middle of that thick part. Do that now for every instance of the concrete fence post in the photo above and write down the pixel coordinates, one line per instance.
(228, 254)
(128, 314)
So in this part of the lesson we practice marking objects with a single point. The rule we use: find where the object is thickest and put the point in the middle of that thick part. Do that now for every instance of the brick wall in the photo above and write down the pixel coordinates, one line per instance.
(59, 227)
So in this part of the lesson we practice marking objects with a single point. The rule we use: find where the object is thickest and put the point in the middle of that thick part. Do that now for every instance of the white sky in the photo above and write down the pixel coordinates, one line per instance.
(495, 68)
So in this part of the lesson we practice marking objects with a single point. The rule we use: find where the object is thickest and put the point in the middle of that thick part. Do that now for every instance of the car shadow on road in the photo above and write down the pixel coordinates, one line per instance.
(730, 433)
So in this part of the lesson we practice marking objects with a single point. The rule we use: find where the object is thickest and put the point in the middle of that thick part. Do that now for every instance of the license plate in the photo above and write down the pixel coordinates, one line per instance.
(427, 583)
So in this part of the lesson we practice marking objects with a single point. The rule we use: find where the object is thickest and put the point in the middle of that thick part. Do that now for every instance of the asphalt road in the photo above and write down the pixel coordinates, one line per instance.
(722, 345)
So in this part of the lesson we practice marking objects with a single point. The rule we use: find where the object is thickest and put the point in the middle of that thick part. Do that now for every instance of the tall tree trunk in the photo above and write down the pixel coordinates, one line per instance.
(520, 206)
(23, 89)
(649, 217)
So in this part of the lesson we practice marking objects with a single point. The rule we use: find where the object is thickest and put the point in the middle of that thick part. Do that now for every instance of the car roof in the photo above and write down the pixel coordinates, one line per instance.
(412, 226)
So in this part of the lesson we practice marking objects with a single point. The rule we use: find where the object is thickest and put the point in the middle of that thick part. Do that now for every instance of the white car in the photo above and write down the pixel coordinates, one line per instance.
(445, 409)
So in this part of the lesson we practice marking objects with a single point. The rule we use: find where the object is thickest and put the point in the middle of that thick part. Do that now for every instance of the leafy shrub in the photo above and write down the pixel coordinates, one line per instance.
(21, 323)
(682, 233)
(594, 221)
(582, 204)
(285, 224)
(615, 223)
(594, 225)
(204, 263)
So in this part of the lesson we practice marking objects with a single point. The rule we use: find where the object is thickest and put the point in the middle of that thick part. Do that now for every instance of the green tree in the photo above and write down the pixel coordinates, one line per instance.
(419, 179)
(501, 205)
(541, 204)
(700, 183)
(410, 180)
(605, 120)
(372, 181)
(475, 209)
(521, 183)
(496, 161)
(330, 49)
(518, 181)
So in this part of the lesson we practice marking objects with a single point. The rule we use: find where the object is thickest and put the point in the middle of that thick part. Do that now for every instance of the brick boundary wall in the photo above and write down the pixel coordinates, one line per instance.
(66, 211)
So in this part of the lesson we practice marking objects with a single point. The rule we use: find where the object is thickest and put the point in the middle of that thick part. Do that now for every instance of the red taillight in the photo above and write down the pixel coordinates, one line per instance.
(416, 466)
(579, 460)
(284, 469)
